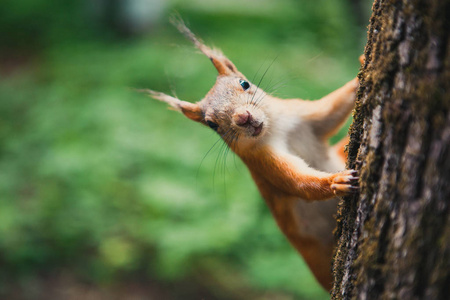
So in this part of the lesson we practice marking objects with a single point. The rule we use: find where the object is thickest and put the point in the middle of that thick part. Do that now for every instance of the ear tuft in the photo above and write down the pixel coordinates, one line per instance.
(191, 110)
(178, 22)
(172, 101)
(223, 65)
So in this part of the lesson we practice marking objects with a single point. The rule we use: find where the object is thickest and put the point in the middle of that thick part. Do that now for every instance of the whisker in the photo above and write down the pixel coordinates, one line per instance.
(232, 141)
(227, 149)
(259, 101)
(235, 142)
(314, 58)
(254, 77)
(262, 78)
(209, 151)
(236, 139)
(272, 89)
(228, 139)
(204, 157)
(217, 163)
(224, 165)
(263, 94)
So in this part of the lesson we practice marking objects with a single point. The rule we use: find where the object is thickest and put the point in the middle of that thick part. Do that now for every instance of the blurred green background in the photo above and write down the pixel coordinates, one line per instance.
(106, 194)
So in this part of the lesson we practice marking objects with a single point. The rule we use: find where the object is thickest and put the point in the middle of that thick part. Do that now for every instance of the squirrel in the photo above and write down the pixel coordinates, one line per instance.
(283, 143)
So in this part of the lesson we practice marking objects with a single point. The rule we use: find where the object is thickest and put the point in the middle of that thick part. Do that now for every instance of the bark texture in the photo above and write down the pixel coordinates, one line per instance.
(394, 237)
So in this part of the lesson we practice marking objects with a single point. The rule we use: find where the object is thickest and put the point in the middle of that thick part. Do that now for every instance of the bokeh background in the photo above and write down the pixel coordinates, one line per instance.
(106, 194)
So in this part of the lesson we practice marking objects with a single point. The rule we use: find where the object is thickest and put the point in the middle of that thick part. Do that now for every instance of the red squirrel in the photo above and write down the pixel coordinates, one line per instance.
(284, 145)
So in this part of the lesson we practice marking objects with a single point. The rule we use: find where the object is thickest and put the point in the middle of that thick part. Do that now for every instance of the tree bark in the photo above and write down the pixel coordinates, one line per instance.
(394, 236)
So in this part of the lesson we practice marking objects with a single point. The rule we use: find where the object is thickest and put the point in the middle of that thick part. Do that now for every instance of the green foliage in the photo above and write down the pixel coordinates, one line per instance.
(98, 179)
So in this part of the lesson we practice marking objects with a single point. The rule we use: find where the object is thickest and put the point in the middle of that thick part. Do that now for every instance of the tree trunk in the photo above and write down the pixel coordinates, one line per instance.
(394, 237)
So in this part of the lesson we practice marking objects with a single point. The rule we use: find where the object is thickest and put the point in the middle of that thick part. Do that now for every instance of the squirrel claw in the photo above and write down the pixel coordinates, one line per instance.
(345, 183)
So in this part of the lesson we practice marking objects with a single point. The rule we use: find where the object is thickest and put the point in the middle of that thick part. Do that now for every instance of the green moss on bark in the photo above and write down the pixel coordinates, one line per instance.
(393, 239)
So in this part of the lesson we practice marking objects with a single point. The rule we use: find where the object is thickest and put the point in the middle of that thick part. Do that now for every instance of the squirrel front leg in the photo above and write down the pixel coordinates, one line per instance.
(291, 175)
(328, 114)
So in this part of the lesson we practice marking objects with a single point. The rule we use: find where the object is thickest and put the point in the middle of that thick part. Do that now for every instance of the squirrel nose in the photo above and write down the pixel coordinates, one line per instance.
(243, 119)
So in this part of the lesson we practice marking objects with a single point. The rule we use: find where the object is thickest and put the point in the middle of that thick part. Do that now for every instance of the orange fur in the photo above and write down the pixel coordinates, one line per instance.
(284, 178)
(329, 113)
(284, 145)
(316, 254)
(340, 148)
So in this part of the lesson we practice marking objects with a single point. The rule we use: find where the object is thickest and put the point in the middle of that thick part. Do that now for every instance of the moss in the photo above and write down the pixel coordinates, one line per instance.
(396, 78)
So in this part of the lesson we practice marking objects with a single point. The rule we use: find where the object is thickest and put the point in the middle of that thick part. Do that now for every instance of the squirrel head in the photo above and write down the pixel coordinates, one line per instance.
(233, 107)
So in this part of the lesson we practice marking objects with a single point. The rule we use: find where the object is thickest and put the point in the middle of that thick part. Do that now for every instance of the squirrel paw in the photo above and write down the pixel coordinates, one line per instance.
(345, 183)
(362, 58)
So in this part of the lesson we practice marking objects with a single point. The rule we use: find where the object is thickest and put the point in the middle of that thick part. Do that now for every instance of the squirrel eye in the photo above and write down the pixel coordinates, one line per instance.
(212, 125)
(245, 85)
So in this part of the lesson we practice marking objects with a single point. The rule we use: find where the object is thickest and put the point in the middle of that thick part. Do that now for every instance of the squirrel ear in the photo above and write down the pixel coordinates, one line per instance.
(223, 65)
(191, 110)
